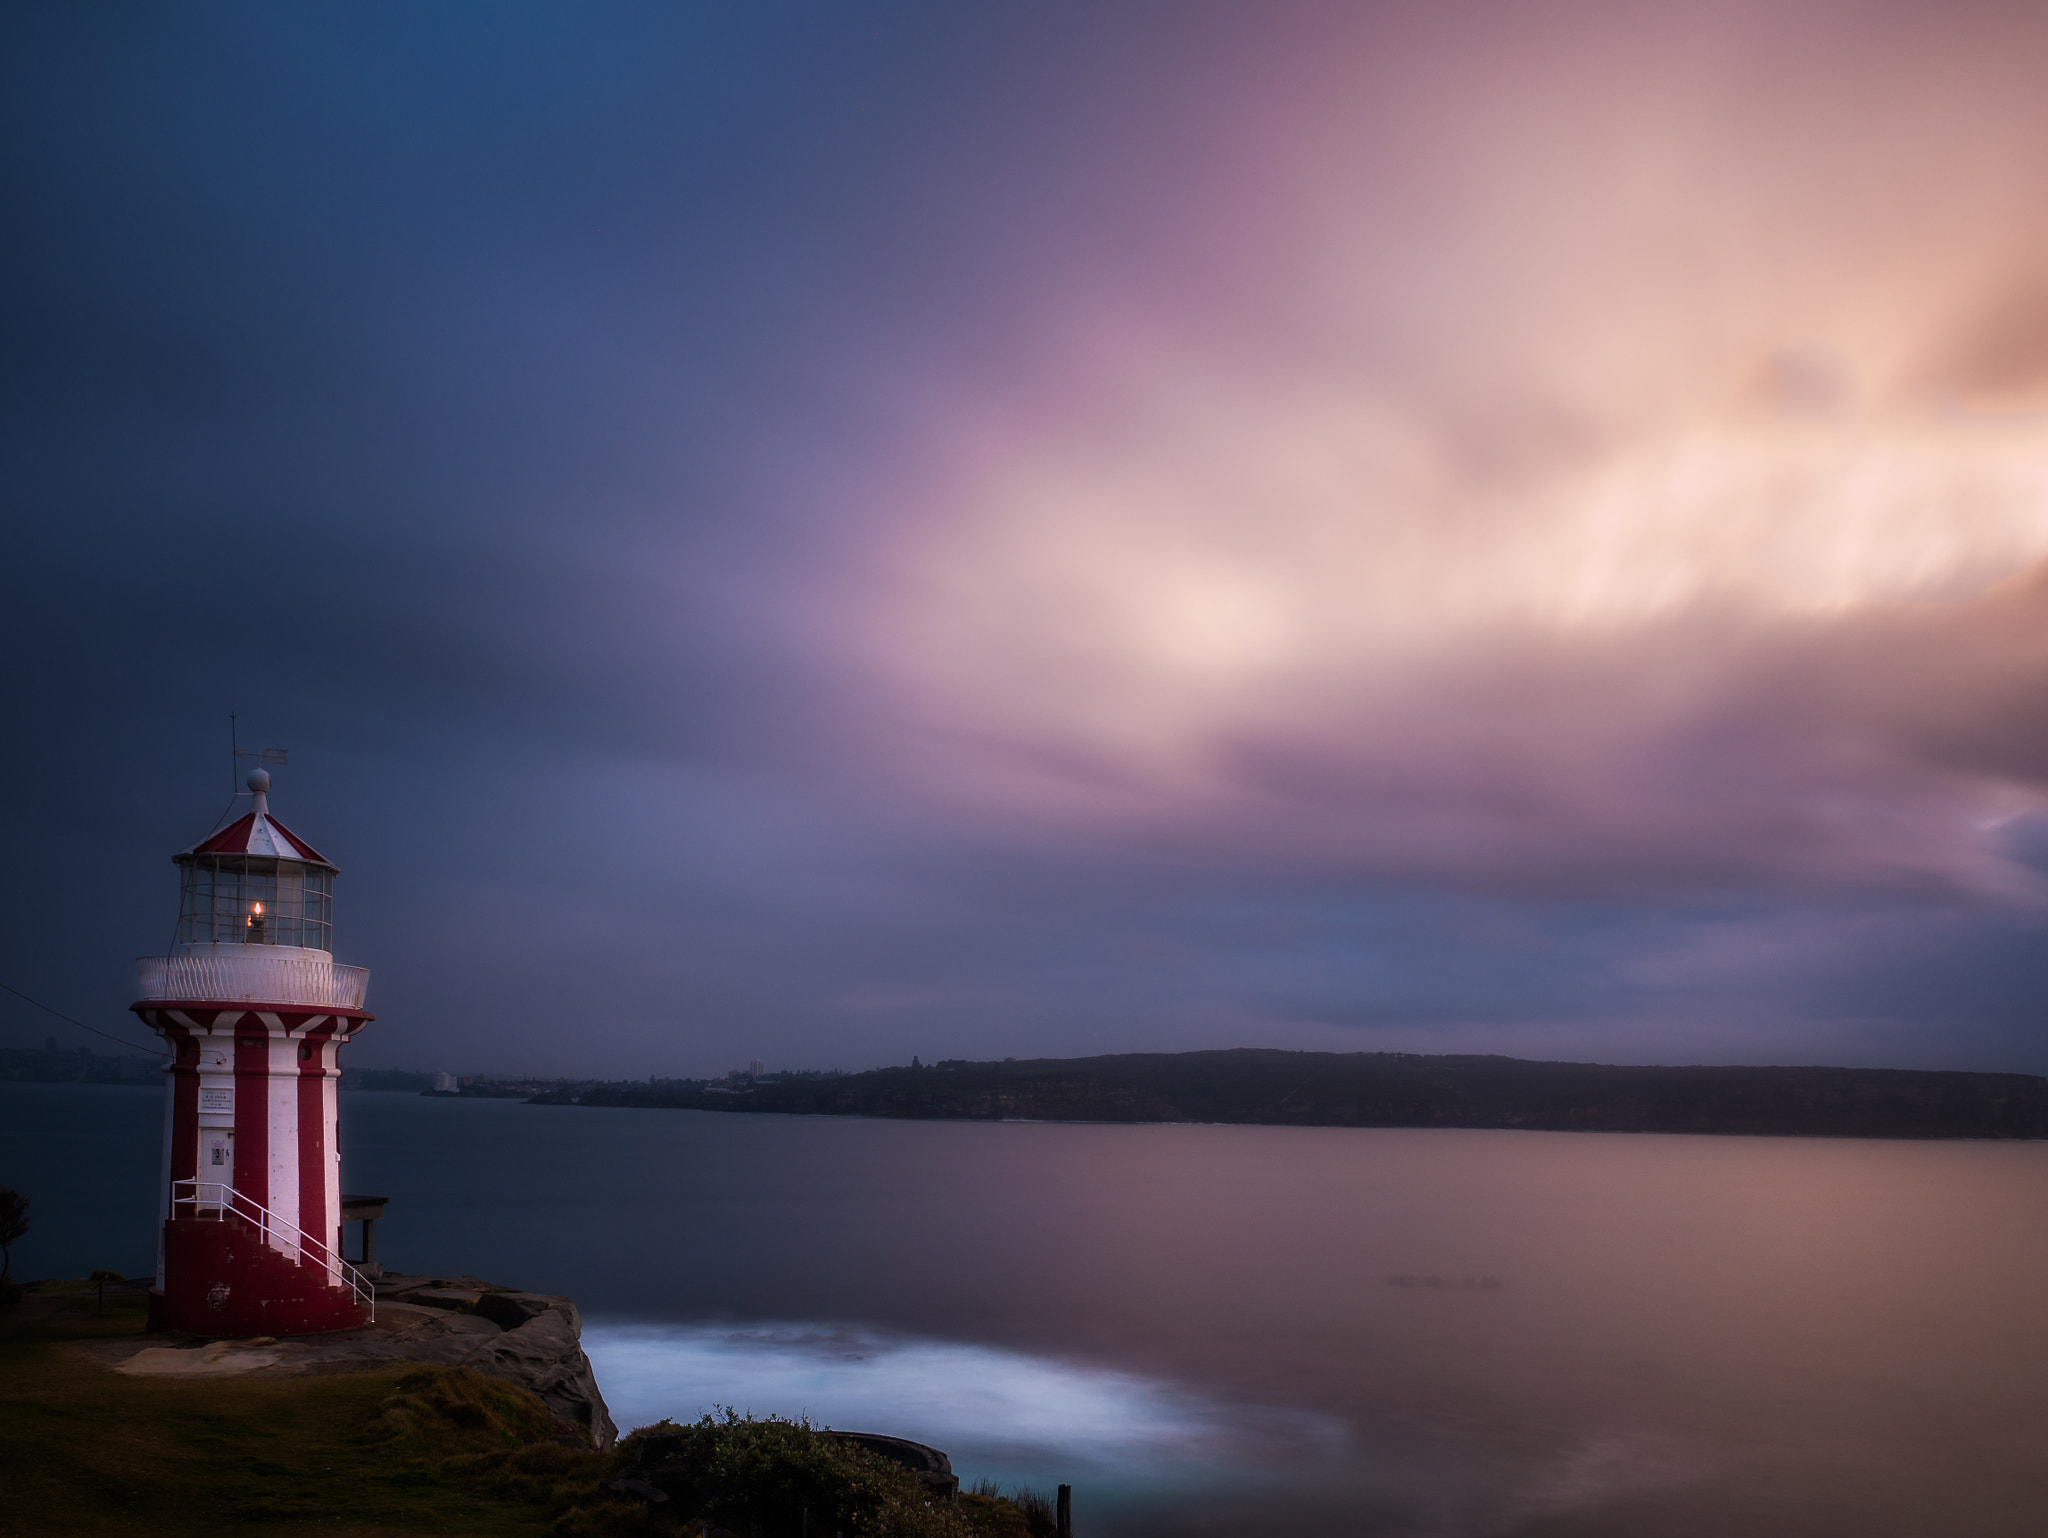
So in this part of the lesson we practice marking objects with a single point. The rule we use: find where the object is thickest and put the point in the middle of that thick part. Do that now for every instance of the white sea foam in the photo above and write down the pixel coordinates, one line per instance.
(998, 1413)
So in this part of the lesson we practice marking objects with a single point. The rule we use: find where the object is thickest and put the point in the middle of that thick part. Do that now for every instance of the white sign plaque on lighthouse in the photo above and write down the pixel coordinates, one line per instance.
(253, 1010)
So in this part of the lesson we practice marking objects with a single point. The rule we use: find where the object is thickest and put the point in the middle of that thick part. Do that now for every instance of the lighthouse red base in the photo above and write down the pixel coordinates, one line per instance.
(222, 1278)
(251, 1238)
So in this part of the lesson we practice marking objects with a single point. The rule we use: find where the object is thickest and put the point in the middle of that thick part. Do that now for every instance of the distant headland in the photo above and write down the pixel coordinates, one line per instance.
(1384, 1089)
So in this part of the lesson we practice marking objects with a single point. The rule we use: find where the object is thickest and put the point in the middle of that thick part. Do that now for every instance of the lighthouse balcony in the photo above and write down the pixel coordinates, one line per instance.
(249, 974)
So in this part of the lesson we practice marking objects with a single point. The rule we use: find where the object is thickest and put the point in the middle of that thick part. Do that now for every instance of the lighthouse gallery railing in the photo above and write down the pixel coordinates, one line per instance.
(208, 1197)
(253, 978)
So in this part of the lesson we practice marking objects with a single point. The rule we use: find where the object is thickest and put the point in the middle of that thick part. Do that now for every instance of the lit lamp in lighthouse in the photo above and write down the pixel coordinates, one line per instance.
(253, 1009)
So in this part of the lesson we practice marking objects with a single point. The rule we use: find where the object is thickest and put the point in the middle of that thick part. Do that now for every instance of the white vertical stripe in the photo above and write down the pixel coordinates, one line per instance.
(283, 1174)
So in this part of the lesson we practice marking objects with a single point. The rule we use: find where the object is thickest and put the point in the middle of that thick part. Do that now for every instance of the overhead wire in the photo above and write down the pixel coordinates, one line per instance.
(39, 1004)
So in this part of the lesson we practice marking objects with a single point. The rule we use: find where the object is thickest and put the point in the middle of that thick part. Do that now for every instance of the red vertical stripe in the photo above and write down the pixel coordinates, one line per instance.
(252, 1110)
(184, 1108)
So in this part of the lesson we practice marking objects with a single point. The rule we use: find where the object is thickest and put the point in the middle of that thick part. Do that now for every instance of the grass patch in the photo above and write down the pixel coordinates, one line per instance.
(411, 1450)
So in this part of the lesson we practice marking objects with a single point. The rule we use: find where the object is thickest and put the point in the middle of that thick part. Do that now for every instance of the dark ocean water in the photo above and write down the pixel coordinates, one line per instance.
(1243, 1329)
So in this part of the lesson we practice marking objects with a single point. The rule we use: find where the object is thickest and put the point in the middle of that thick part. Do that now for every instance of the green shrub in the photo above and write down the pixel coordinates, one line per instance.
(777, 1479)
(1038, 1512)
(991, 1514)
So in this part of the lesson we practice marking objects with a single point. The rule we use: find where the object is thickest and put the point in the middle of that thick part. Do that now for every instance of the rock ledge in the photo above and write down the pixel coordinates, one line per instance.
(528, 1338)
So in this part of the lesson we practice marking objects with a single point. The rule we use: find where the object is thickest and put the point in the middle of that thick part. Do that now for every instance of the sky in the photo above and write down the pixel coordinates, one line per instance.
(830, 533)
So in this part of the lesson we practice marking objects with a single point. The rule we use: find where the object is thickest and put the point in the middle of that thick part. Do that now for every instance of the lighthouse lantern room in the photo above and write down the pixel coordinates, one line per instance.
(253, 1010)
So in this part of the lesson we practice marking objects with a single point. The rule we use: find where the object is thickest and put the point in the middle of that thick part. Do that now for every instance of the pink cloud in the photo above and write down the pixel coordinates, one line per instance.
(1600, 459)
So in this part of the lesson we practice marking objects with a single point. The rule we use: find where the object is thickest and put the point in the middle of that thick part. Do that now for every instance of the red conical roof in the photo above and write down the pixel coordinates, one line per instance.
(261, 834)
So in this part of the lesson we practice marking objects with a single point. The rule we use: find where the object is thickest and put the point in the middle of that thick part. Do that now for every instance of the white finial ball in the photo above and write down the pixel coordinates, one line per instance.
(259, 780)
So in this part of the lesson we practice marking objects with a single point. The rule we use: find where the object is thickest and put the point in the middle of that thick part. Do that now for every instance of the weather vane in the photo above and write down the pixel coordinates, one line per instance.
(269, 758)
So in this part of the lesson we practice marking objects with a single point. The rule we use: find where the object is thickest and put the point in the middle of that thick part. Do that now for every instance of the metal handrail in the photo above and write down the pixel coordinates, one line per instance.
(266, 1223)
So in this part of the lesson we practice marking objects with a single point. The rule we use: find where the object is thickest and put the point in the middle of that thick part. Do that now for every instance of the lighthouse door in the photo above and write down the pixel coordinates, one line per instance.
(216, 1166)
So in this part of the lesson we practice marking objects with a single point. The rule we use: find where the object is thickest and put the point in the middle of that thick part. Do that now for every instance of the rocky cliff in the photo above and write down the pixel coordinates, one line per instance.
(527, 1338)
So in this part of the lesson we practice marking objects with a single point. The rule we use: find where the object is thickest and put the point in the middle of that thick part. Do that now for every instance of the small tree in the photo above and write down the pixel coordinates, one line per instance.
(13, 1224)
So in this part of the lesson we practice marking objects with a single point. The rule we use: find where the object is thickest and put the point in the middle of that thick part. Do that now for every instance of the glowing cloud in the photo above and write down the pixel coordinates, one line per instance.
(1519, 524)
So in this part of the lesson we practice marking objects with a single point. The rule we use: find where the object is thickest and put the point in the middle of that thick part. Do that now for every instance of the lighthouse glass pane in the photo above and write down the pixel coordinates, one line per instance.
(227, 903)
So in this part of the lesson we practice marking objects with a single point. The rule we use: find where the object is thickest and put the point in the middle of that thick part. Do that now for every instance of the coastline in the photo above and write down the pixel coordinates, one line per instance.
(1268, 1087)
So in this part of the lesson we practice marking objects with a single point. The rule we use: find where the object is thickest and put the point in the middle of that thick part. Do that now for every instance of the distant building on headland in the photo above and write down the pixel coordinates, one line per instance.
(444, 1083)
(756, 1069)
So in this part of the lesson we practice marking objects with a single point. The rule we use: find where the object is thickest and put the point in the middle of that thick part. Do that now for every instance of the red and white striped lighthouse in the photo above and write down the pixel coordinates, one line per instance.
(253, 1009)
